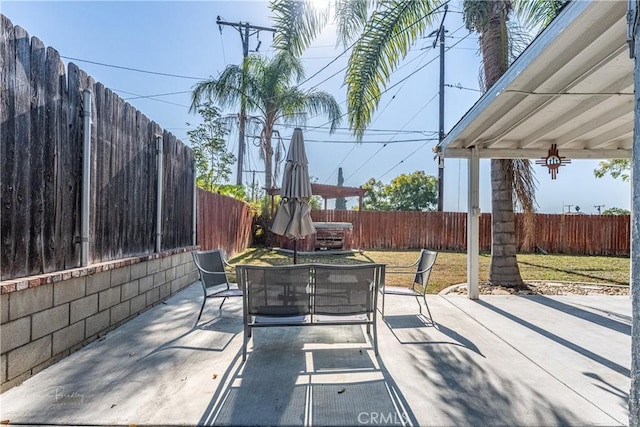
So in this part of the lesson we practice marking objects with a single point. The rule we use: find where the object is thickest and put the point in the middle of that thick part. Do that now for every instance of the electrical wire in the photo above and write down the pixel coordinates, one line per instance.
(419, 148)
(333, 141)
(401, 81)
(152, 99)
(357, 40)
(132, 69)
(224, 56)
(402, 161)
(158, 95)
(409, 121)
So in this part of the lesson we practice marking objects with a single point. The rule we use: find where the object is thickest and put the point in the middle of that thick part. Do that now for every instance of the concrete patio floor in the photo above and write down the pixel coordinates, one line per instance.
(503, 360)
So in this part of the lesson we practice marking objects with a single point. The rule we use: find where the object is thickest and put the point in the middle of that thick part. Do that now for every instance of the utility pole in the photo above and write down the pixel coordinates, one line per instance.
(568, 207)
(244, 28)
(598, 207)
(440, 37)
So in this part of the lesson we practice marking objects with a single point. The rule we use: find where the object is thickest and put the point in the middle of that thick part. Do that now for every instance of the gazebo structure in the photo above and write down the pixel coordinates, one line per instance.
(328, 192)
(568, 96)
(336, 236)
(336, 191)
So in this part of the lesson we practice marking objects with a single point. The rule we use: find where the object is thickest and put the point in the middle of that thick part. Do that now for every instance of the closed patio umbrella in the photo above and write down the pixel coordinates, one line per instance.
(293, 219)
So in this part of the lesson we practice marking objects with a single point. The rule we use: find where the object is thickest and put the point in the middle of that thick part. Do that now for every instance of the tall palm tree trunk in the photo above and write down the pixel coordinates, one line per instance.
(504, 265)
(267, 152)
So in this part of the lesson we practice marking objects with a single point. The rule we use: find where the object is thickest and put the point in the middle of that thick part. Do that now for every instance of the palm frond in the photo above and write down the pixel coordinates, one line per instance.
(537, 13)
(351, 17)
(524, 190)
(323, 103)
(226, 90)
(298, 104)
(392, 29)
(297, 24)
(519, 39)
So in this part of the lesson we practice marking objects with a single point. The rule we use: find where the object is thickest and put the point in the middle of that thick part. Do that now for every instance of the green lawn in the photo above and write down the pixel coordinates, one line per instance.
(451, 267)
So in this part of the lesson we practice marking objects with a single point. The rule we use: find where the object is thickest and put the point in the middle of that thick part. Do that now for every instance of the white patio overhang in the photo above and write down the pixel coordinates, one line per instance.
(573, 87)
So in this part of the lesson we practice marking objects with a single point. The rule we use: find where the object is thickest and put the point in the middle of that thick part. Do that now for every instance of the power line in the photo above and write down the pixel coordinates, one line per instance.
(158, 95)
(333, 141)
(459, 86)
(402, 161)
(133, 69)
(378, 115)
(383, 92)
(386, 90)
(304, 127)
(394, 85)
(414, 116)
(152, 99)
(224, 56)
(419, 148)
(409, 121)
(354, 43)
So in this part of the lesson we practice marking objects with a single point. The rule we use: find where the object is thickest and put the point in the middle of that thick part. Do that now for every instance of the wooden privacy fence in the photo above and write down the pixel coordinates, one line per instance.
(223, 222)
(569, 234)
(41, 154)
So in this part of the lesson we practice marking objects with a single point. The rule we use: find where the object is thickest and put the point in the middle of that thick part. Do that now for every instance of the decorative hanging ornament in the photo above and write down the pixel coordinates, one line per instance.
(553, 161)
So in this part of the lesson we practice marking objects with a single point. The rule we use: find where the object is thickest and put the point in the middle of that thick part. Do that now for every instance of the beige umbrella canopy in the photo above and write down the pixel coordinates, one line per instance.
(293, 218)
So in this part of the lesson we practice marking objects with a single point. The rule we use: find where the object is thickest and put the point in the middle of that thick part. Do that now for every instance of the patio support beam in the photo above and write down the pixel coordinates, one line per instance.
(633, 17)
(473, 224)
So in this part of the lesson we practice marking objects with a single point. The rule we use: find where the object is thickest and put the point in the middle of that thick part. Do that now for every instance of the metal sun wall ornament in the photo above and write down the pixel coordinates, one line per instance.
(553, 161)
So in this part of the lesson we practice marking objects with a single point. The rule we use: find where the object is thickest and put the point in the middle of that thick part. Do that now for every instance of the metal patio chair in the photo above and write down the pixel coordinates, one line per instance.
(423, 266)
(213, 277)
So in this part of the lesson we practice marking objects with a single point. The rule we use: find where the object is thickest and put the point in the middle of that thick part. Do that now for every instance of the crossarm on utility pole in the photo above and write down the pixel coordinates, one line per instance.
(244, 28)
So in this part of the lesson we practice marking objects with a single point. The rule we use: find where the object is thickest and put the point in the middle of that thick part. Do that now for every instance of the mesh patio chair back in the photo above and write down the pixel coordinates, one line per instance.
(350, 290)
(423, 266)
(279, 291)
(213, 277)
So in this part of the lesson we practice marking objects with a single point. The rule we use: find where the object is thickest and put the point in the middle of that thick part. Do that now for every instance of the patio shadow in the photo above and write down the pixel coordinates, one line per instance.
(598, 319)
(547, 334)
(416, 329)
(308, 376)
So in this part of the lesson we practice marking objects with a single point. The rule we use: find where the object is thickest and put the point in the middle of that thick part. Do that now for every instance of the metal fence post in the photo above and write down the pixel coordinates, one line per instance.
(159, 153)
(86, 176)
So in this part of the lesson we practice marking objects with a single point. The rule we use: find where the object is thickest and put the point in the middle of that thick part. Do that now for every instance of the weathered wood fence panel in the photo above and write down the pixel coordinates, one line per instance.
(581, 234)
(570, 234)
(41, 145)
(41, 149)
(178, 193)
(223, 222)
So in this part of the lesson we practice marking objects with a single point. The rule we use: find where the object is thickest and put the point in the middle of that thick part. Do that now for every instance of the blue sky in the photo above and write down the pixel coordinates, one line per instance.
(182, 38)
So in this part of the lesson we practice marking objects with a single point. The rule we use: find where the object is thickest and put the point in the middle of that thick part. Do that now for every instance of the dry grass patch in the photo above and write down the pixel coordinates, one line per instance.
(451, 267)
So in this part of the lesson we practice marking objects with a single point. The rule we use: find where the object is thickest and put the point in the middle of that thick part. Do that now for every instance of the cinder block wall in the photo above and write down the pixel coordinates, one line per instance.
(45, 318)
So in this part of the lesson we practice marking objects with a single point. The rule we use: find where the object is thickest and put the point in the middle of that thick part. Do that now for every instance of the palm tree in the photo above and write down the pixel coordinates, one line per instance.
(385, 36)
(268, 87)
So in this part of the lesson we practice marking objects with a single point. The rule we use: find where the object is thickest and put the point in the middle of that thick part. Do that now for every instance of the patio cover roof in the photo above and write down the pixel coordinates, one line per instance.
(573, 87)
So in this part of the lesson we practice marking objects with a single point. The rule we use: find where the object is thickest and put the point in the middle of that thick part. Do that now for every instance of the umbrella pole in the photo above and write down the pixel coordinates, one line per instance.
(295, 251)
